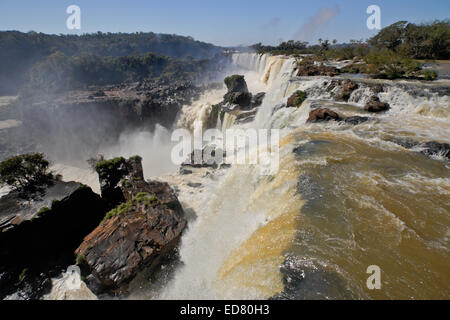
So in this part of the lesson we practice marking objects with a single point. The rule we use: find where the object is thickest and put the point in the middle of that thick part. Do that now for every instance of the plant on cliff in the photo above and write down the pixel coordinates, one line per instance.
(300, 98)
(107, 168)
(25, 171)
(142, 199)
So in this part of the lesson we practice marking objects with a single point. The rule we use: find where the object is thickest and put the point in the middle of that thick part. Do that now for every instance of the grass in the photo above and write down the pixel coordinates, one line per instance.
(142, 198)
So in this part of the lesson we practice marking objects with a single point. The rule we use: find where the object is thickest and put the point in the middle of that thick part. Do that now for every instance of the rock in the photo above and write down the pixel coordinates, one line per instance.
(116, 172)
(37, 249)
(134, 237)
(296, 99)
(184, 171)
(375, 105)
(257, 99)
(194, 184)
(138, 234)
(349, 85)
(242, 99)
(313, 70)
(236, 83)
(346, 87)
(246, 116)
(322, 114)
(355, 120)
(304, 280)
(278, 107)
(433, 148)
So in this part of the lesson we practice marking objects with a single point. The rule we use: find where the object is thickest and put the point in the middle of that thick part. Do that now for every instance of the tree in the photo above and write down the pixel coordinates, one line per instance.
(25, 171)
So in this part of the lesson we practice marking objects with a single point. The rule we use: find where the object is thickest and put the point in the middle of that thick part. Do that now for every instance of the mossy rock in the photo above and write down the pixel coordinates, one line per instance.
(297, 99)
(142, 198)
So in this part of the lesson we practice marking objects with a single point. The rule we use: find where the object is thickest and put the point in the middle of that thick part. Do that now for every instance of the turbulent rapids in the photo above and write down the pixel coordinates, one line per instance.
(346, 196)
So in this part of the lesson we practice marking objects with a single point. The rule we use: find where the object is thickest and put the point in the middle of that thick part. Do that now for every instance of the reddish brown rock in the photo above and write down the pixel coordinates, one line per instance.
(138, 234)
(313, 70)
(322, 114)
(375, 105)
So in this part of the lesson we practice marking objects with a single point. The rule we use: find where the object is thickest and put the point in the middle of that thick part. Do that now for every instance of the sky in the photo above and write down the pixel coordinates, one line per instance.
(225, 22)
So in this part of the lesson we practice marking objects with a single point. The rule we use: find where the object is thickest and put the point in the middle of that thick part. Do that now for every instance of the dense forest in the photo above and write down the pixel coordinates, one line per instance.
(391, 54)
(416, 41)
(103, 55)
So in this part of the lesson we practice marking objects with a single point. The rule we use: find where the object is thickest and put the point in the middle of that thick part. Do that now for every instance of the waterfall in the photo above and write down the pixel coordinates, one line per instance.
(360, 192)
(228, 121)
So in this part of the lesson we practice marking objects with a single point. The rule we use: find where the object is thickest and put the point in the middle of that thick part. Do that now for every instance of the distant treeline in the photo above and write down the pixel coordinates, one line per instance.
(409, 40)
(95, 54)
(58, 72)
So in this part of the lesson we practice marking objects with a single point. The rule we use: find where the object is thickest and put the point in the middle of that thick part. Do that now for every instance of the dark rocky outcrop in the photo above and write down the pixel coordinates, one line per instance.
(237, 100)
(296, 99)
(237, 91)
(96, 116)
(137, 235)
(345, 88)
(430, 148)
(375, 105)
(433, 148)
(33, 250)
(355, 120)
(114, 173)
(309, 69)
(304, 281)
(322, 114)
(257, 99)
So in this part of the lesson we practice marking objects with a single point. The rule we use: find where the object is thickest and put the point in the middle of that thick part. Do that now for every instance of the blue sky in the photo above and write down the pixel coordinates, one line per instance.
(224, 22)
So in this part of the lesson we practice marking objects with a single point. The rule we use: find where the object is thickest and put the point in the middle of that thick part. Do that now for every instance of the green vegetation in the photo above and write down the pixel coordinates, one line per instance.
(300, 96)
(142, 199)
(385, 63)
(136, 158)
(81, 260)
(94, 53)
(429, 75)
(59, 72)
(23, 274)
(107, 167)
(43, 210)
(25, 171)
(390, 54)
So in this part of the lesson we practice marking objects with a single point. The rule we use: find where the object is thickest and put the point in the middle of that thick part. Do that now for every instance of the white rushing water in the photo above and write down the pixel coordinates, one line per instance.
(246, 222)
(234, 247)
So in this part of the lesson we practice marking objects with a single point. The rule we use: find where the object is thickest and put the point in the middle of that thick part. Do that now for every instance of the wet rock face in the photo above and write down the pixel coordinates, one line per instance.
(375, 105)
(34, 250)
(355, 120)
(125, 244)
(138, 234)
(296, 99)
(305, 281)
(236, 83)
(345, 88)
(237, 93)
(313, 70)
(257, 99)
(322, 114)
(430, 148)
(113, 173)
(434, 148)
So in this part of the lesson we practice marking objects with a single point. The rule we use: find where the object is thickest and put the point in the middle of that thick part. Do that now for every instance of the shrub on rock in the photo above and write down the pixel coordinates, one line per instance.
(25, 171)
(296, 99)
